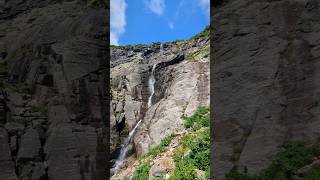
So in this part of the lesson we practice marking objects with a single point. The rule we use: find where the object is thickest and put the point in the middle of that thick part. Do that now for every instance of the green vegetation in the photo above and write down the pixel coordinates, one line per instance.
(192, 56)
(114, 46)
(40, 109)
(161, 147)
(194, 150)
(184, 170)
(192, 153)
(285, 164)
(178, 40)
(204, 33)
(200, 119)
(128, 46)
(158, 178)
(142, 172)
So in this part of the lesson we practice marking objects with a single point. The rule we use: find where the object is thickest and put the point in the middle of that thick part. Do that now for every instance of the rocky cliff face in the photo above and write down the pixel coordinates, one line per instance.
(53, 89)
(181, 86)
(266, 74)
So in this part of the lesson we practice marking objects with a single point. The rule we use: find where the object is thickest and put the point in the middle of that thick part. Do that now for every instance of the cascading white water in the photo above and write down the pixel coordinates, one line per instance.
(124, 150)
(161, 47)
(125, 146)
(151, 83)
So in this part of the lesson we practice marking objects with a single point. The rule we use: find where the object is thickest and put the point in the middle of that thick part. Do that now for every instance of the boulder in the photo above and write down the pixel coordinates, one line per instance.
(161, 167)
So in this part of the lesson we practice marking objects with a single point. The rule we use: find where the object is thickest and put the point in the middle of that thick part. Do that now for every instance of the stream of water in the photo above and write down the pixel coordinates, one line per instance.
(151, 82)
(124, 149)
(125, 146)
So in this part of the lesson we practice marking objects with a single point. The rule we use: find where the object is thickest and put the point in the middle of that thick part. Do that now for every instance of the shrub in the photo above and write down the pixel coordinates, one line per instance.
(198, 142)
(161, 147)
(184, 170)
(142, 172)
(201, 118)
(200, 151)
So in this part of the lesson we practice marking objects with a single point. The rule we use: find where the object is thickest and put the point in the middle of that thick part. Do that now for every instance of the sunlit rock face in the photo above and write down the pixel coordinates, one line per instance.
(181, 85)
(53, 100)
(266, 73)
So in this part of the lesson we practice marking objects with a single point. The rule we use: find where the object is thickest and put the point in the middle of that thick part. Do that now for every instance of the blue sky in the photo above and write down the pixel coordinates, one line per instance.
(148, 21)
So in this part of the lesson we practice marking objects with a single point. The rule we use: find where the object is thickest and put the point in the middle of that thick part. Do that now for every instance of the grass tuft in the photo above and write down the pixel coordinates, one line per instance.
(161, 147)
(142, 172)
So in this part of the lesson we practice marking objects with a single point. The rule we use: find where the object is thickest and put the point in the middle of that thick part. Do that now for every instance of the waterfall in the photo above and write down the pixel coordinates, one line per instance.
(125, 146)
(124, 149)
(151, 82)
(161, 47)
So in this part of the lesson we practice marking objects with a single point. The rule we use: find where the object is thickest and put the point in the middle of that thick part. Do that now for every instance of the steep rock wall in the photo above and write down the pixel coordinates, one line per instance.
(182, 85)
(54, 79)
(266, 74)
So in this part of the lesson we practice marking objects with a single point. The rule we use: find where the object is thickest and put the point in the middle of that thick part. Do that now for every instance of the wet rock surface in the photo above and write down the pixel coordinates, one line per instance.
(53, 98)
(265, 78)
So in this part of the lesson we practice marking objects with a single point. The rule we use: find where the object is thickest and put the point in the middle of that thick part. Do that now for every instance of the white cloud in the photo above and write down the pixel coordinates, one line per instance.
(156, 6)
(205, 5)
(171, 25)
(114, 39)
(117, 20)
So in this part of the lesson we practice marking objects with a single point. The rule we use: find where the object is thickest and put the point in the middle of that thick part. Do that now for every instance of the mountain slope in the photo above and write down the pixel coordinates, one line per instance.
(181, 71)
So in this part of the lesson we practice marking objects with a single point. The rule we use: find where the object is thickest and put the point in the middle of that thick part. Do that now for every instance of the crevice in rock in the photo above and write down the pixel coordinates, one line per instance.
(47, 80)
(163, 81)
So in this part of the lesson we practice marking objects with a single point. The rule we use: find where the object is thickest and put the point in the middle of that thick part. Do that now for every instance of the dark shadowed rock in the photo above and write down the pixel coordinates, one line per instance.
(39, 172)
(7, 166)
(55, 58)
(62, 153)
(29, 148)
(265, 73)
